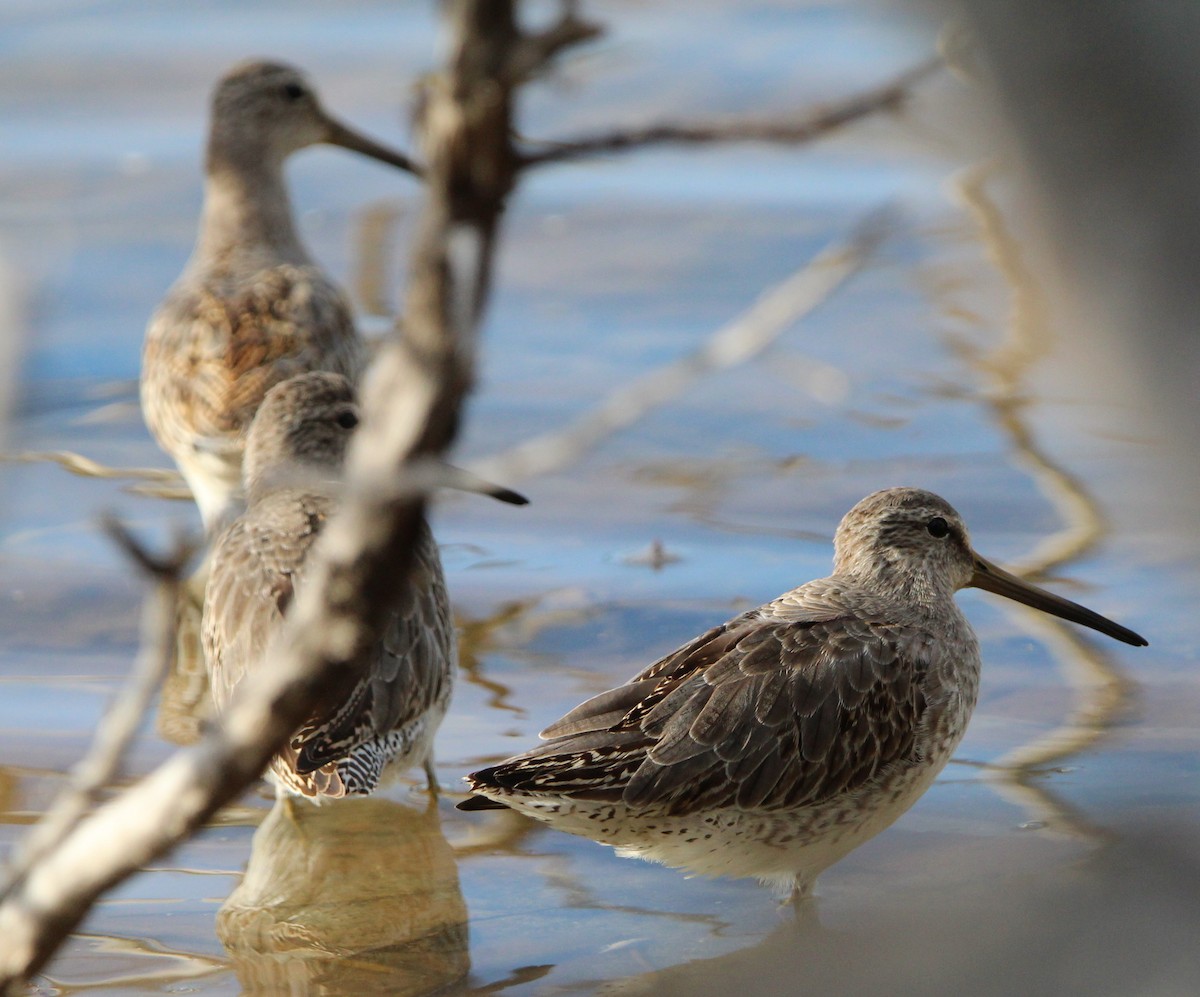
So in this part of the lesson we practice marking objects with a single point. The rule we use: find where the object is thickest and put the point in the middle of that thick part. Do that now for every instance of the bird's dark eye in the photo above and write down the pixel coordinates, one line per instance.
(347, 419)
(938, 527)
(293, 91)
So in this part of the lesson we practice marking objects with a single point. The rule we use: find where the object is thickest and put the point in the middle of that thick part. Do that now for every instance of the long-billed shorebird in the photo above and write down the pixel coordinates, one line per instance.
(775, 743)
(294, 454)
(251, 308)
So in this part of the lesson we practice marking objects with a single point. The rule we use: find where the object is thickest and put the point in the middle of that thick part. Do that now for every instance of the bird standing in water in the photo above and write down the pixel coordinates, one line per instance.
(386, 719)
(774, 744)
(250, 309)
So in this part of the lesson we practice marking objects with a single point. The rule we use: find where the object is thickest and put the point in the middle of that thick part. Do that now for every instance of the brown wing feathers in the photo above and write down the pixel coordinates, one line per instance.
(754, 713)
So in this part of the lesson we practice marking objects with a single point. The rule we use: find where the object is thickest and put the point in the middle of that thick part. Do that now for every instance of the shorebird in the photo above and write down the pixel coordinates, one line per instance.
(294, 453)
(251, 308)
(777, 742)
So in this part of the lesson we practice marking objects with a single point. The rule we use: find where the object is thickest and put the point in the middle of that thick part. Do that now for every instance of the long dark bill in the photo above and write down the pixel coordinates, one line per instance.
(468, 481)
(993, 579)
(347, 138)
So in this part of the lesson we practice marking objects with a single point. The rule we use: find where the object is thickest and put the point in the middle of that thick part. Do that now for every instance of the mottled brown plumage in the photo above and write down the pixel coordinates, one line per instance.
(294, 453)
(250, 309)
(773, 744)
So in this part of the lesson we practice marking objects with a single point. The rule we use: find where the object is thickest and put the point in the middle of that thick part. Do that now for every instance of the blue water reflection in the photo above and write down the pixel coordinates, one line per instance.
(609, 269)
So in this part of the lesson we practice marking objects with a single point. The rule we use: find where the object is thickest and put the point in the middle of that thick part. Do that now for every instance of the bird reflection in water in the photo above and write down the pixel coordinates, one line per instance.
(186, 705)
(361, 897)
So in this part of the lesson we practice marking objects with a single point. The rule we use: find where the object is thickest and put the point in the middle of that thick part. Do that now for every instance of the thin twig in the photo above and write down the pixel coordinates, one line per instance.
(153, 482)
(745, 337)
(164, 568)
(888, 97)
(120, 724)
(534, 51)
(178, 492)
(85, 467)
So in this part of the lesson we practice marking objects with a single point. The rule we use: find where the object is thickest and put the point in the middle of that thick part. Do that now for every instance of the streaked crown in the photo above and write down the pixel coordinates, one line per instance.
(905, 539)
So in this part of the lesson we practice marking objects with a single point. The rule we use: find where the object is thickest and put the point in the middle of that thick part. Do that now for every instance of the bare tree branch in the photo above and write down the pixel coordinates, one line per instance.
(534, 52)
(162, 568)
(412, 400)
(739, 341)
(888, 97)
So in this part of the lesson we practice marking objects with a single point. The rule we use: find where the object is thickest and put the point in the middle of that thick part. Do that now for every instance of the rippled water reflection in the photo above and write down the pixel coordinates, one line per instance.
(362, 898)
(938, 366)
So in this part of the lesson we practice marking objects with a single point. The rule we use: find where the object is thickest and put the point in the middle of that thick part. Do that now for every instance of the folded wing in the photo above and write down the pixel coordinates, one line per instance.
(759, 713)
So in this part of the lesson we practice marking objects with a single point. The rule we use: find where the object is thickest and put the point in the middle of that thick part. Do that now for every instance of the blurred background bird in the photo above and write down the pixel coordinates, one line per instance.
(250, 309)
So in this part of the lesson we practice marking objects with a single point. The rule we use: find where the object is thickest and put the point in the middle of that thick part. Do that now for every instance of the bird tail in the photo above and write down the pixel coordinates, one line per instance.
(481, 803)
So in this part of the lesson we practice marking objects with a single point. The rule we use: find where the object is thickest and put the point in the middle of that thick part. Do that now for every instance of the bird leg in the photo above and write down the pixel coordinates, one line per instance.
(433, 787)
(803, 902)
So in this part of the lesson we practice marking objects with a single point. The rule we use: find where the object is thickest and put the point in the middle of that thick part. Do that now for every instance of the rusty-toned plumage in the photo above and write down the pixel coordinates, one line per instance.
(773, 744)
(294, 453)
(250, 309)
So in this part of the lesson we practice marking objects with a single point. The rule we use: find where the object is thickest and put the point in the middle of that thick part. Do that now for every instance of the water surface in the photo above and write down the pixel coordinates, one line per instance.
(937, 366)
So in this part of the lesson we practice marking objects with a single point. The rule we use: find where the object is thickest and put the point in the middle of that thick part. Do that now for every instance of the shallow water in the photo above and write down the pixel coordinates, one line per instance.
(936, 366)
